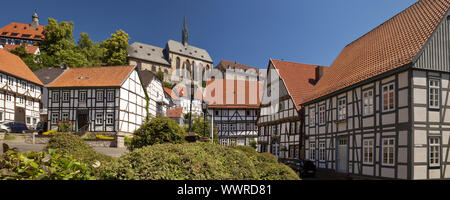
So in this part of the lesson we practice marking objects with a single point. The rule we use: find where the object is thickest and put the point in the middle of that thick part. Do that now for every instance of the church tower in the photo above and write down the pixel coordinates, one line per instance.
(185, 34)
(34, 20)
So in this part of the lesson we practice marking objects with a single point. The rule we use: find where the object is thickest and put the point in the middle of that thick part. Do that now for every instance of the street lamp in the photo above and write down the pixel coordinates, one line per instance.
(205, 109)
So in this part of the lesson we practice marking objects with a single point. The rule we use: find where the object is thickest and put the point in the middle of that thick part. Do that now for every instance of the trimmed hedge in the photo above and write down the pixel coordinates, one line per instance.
(157, 131)
(197, 161)
(73, 145)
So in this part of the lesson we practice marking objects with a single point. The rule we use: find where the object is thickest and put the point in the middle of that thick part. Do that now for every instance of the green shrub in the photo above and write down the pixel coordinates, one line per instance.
(70, 144)
(46, 165)
(267, 165)
(159, 130)
(254, 144)
(64, 126)
(199, 126)
(195, 161)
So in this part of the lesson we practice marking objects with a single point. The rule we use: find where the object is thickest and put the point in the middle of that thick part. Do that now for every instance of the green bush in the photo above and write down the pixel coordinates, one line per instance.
(197, 161)
(70, 144)
(267, 165)
(159, 130)
(199, 126)
(46, 165)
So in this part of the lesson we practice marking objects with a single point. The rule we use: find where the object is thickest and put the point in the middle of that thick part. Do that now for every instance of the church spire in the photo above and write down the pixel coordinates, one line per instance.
(185, 34)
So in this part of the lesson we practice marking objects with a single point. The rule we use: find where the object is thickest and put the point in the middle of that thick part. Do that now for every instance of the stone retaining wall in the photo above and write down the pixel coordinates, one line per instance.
(44, 139)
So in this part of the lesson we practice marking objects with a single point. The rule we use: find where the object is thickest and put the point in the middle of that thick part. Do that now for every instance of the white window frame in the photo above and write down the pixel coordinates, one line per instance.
(109, 118)
(368, 151)
(98, 118)
(80, 95)
(342, 109)
(434, 151)
(110, 96)
(9, 97)
(312, 151)
(434, 93)
(368, 103)
(312, 116)
(322, 151)
(322, 115)
(389, 93)
(65, 117)
(388, 152)
(99, 95)
(21, 100)
(65, 96)
(55, 118)
(55, 96)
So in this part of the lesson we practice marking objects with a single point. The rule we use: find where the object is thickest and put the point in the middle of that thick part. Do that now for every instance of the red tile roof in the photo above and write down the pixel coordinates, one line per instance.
(22, 30)
(391, 45)
(181, 91)
(175, 113)
(225, 64)
(13, 65)
(112, 76)
(236, 94)
(30, 49)
(297, 78)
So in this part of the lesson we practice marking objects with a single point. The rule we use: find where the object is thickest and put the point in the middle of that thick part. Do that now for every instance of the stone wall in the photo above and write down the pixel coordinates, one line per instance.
(2, 136)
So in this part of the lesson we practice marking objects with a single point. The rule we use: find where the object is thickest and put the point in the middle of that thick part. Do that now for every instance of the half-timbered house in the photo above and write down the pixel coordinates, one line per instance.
(20, 91)
(280, 118)
(381, 110)
(157, 102)
(108, 100)
(234, 106)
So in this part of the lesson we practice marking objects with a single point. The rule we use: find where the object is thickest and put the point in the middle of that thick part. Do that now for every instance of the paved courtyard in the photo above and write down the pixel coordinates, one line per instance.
(19, 143)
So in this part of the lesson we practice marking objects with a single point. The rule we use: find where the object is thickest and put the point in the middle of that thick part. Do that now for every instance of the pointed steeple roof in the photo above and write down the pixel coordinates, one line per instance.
(185, 33)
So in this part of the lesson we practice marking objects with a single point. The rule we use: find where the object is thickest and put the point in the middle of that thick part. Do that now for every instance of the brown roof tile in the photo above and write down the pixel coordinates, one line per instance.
(22, 30)
(391, 45)
(175, 113)
(297, 78)
(112, 76)
(13, 65)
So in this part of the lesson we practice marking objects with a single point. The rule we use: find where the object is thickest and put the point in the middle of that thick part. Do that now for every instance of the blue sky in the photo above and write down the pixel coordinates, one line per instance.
(247, 31)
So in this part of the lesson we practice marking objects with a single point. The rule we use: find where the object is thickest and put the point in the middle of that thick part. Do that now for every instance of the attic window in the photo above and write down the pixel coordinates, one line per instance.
(195, 51)
(140, 47)
(87, 78)
(202, 56)
(80, 77)
(5, 33)
(135, 51)
(15, 26)
(14, 34)
(38, 37)
(26, 35)
(181, 50)
(37, 29)
(25, 28)
(153, 49)
(148, 54)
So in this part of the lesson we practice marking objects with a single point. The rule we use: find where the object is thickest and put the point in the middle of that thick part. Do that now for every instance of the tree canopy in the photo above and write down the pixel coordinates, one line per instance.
(59, 48)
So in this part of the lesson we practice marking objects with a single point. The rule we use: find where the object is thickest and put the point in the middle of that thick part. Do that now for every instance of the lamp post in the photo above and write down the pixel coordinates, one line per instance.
(205, 109)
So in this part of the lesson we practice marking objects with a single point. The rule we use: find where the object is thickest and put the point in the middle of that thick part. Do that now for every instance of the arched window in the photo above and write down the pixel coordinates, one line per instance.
(207, 67)
(178, 63)
(188, 65)
(153, 68)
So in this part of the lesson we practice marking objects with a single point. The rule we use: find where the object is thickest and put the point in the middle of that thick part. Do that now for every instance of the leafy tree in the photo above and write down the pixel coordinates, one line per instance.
(158, 131)
(160, 75)
(253, 144)
(116, 48)
(202, 128)
(34, 62)
(167, 85)
(92, 50)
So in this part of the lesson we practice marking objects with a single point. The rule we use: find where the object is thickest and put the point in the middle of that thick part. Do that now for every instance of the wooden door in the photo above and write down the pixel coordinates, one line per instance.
(83, 120)
(19, 115)
(342, 155)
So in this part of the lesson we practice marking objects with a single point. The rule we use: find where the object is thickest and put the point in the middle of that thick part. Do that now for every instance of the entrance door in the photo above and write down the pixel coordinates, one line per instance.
(83, 120)
(342, 155)
(19, 115)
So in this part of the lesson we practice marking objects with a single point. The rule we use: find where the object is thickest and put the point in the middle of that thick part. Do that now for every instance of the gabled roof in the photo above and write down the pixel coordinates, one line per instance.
(29, 48)
(146, 77)
(225, 64)
(391, 45)
(48, 75)
(175, 113)
(113, 76)
(237, 94)
(23, 31)
(13, 65)
(191, 51)
(297, 78)
(182, 91)
(147, 52)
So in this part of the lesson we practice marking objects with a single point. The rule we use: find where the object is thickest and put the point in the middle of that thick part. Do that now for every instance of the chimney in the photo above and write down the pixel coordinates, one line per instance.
(320, 70)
